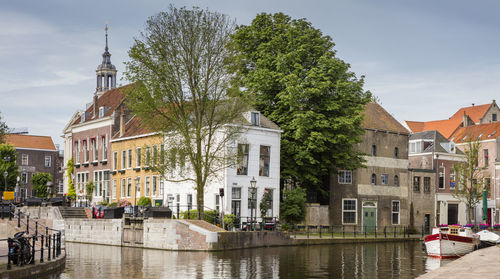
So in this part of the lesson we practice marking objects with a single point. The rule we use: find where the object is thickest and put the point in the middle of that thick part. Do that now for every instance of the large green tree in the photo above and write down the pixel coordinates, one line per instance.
(179, 70)
(3, 130)
(39, 181)
(8, 164)
(291, 69)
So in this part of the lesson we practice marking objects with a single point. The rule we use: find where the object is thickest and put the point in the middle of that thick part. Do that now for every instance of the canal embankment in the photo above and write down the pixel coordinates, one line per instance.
(483, 263)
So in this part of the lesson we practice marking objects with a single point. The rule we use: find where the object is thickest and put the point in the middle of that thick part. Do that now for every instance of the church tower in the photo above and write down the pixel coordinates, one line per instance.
(106, 72)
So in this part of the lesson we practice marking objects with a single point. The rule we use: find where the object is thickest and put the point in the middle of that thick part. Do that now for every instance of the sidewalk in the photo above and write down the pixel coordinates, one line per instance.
(483, 263)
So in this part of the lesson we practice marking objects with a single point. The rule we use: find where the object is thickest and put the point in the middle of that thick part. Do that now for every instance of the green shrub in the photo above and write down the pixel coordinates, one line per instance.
(113, 204)
(103, 203)
(144, 201)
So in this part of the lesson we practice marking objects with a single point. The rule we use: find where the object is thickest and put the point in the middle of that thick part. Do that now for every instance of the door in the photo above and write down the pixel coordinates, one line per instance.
(427, 223)
(452, 214)
(369, 218)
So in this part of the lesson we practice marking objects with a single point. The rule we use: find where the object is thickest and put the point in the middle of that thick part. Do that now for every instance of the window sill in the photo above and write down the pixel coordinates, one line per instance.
(146, 168)
(137, 169)
(76, 165)
(104, 162)
(112, 172)
(94, 163)
(121, 171)
(85, 164)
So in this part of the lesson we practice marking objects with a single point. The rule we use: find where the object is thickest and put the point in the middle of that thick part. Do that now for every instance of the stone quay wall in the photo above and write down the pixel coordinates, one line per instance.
(95, 231)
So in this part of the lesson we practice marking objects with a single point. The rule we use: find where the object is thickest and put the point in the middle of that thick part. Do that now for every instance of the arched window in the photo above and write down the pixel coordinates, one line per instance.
(374, 179)
(396, 152)
(374, 150)
(396, 180)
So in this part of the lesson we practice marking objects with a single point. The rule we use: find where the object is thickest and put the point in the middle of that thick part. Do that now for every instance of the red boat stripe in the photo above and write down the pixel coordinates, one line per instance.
(451, 237)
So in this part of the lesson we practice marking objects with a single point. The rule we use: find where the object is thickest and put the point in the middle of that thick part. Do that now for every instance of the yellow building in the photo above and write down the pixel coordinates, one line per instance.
(132, 151)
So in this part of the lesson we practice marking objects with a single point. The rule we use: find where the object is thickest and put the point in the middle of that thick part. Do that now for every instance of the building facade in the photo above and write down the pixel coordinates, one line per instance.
(376, 195)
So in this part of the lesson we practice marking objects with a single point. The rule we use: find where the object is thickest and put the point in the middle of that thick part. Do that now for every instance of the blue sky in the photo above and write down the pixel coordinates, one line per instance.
(423, 59)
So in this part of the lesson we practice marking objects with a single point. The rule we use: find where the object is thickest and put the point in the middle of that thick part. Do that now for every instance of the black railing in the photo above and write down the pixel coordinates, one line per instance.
(22, 248)
(351, 231)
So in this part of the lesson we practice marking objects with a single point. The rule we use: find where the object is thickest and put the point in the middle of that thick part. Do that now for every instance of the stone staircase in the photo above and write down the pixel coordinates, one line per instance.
(73, 212)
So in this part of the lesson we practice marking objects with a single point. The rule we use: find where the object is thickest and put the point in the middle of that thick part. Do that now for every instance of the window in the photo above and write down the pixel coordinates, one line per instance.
(217, 203)
(416, 183)
(396, 180)
(395, 212)
(24, 159)
(396, 152)
(269, 192)
(24, 178)
(155, 181)
(85, 152)
(113, 195)
(101, 112)
(485, 152)
(77, 152)
(129, 186)
(345, 177)
(138, 157)
(452, 179)
(441, 177)
(374, 150)
(147, 187)
(48, 160)
(104, 149)
(94, 150)
(255, 119)
(385, 179)
(349, 211)
(374, 179)
(60, 188)
(242, 159)
(122, 187)
(236, 201)
(493, 117)
(148, 155)
(416, 147)
(115, 160)
(427, 184)
(190, 199)
(124, 159)
(264, 160)
(252, 201)
(487, 186)
(129, 161)
(155, 155)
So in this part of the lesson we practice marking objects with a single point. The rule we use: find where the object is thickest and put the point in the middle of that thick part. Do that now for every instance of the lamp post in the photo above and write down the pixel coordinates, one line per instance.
(137, 188)
(253, 182)
(18, 190)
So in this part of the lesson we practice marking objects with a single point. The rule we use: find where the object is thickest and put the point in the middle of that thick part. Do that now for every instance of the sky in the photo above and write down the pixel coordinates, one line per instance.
(422, 59)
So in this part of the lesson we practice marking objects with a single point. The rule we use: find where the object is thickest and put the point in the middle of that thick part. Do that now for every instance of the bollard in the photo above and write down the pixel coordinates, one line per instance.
(178, 216)
(10, 212)
(32, 261)
(9, 255)
(41, 248)
(27, 224)
(54, 246)
(48, 249)
(46, 234)
(19, 218)
(36, 229)
(385, 231)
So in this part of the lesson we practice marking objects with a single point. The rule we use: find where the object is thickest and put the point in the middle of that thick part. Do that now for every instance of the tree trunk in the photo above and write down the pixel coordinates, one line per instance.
(200, 200)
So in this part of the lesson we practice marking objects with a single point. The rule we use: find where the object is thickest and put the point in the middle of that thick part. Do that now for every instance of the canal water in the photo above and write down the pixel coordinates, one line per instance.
(373, 260)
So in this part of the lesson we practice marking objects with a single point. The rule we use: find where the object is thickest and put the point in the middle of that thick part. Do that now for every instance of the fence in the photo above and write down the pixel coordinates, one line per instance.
(48, 242)
(343, 231)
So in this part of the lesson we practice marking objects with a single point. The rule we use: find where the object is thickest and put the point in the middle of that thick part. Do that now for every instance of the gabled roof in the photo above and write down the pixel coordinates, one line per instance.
(434, 146)
(30, 142)
(377, 118)
(445, 127)
(133, 128)
(482, 132)
(110, 100)
(474, 112)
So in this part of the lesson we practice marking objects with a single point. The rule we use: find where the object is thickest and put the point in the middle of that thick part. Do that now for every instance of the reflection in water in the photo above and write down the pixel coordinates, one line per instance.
(372, 260)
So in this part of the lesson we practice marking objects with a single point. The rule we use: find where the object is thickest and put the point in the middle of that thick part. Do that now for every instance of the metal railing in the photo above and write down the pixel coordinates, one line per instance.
(352, 231)
(47, 239)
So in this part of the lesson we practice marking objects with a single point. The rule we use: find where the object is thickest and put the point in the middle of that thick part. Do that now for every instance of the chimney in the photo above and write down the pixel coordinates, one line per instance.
(96, 107)
(122, 122)
(465, 121)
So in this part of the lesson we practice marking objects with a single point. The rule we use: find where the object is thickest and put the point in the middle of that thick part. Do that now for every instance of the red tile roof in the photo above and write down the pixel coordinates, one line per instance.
(376, 117)
(445, 127)
(474, 112)
(486, 131)
(31, 142)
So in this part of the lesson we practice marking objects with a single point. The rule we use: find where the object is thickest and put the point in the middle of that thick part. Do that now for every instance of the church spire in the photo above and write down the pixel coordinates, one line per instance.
(106, 72)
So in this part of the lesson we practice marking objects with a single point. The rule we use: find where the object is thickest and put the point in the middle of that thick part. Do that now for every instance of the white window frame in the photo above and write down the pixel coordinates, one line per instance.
(255, 118)
(115, 160)
(49, 161)
(350, 210)
(138, 157)
(395, 212)
(344, 177)
(77, 152)
(124, 159)
(113, 195)
(104, 148)
(384, 179)
(154, 185)
(85, 151)
(442, 171)
(129, 159)
(25, 157)
(147, 186)
(95, 149)
(122, 187)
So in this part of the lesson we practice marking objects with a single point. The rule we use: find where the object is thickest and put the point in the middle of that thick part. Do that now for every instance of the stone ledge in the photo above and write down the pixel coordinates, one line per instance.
(35, 271)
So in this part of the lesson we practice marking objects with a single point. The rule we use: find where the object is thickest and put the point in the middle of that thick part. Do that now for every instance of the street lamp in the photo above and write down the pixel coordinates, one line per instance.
(253, 182)
(137, 188)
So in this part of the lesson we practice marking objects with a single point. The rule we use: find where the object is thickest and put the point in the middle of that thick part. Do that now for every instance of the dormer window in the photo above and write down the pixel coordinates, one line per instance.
(255, 118)
(101, 112)
(493, 117)
(82, 117)
(452, 147)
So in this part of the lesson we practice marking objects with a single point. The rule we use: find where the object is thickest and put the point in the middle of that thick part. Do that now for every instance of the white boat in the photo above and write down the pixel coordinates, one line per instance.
(451, 242)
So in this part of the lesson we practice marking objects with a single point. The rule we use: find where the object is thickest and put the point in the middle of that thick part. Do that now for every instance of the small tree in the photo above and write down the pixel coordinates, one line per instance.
(265, 203)
(71, 187)
(8, 151)
(293, 208)
(3, 130)
(144, 201)
(470, 178)
(39, 181)
(89, 190)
